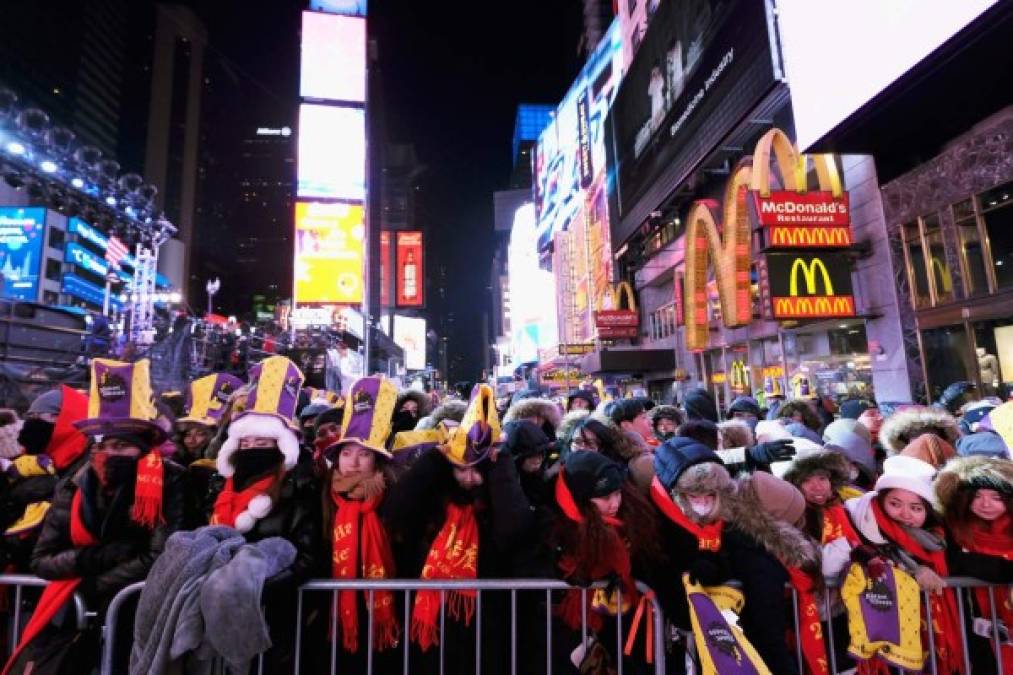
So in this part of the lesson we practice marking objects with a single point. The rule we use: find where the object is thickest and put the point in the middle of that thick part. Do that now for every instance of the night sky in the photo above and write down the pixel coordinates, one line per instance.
(453, 74)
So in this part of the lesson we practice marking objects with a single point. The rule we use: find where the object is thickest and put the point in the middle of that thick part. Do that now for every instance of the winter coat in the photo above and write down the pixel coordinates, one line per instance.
(420, 398)
(542, 407)
(55, 557)
(522, 516)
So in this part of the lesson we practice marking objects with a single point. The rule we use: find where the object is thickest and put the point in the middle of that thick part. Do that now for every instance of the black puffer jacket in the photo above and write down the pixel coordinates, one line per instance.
(55, 557)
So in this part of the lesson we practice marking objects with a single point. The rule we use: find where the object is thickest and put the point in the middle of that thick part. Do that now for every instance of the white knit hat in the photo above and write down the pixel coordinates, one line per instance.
(908, 473)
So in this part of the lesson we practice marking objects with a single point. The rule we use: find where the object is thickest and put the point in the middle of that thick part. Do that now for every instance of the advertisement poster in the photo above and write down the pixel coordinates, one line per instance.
(332, 152)
(410, 335)
(333, 57)
(329, 253)
(599, 244)
(384, 268)
(22, 231)
(807, 285)
(410, 278)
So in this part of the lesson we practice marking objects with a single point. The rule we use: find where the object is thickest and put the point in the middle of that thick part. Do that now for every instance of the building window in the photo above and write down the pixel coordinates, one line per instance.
(997, 216)
(972, 254)
(50, 298)
(54, 269)
(919, 280)
(942, 278)
(56, 238)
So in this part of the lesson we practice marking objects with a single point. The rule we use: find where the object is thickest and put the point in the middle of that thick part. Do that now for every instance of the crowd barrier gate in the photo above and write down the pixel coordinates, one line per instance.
(17, 583)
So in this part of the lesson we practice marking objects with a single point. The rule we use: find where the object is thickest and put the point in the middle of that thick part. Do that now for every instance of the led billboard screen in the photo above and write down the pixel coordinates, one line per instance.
(21, 235)
(333, 57)
(410, 281)
(332, 152)
(384, 268)
(329, 253)
(410, 335)
(830, 79)
(348, 7)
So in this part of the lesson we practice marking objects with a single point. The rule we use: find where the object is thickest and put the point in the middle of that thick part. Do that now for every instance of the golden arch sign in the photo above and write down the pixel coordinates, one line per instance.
(617, 322)
(719, 237)
(808, 285)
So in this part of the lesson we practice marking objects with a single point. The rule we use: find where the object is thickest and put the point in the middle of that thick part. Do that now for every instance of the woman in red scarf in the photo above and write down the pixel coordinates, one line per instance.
(355, 483)
(606, 531)
(899, 525)
(976, 495)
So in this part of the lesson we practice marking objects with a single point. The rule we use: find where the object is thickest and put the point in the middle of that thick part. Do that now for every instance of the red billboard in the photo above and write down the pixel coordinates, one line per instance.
(384, 268)
(410, 280)
(814, 219)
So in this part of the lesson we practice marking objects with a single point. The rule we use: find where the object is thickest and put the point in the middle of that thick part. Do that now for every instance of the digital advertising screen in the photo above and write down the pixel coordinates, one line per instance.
(830, 79)
(346, 7)
(329, 253)
(410, 280)
(384, 268)
(332, 152)
(333, 57)
(22, 231)
(410, 335)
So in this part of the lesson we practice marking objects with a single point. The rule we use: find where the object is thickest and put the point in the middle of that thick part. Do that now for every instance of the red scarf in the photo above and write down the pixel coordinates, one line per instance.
(453, 555)
(615, 561)
(995, 539)
(708, 537)
(364, 552)
(230, 503)
(147, 508)
(837, 524)
(945, 618)
(58, 592)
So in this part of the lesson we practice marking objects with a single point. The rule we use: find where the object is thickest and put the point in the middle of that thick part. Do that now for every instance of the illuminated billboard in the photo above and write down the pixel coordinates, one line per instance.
(384, 268)
(410, 335)
(533, 320)
(333, 57)
(410, 282)
(329, 253)
(347, 7)
(332, 152)
(22, 231)
(571, 150)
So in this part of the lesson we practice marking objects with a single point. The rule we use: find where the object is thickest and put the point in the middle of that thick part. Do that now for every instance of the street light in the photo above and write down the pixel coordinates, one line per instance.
(213, 286)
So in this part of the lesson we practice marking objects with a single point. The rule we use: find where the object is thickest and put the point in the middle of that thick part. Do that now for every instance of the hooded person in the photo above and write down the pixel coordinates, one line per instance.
(581, 399)
(716, 528)
(358, 478)
(665, 421)
(108, 521)
(541, 411)
(564, 436)
(605, 530)
(898, 523)
(976, 498)
(269, 492)
(600, 436)
(41, 449)
(450, 411)
(904, 426)
(444, 525)
(206, 401)
(411, 406)
(699, 405)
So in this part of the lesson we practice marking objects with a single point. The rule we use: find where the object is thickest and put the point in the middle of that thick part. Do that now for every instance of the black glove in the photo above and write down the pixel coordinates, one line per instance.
(93, 560)
(771, 451)
(706, 570)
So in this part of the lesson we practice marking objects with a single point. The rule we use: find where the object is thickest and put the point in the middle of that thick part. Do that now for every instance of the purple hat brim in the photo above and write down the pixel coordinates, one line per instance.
(111, 426)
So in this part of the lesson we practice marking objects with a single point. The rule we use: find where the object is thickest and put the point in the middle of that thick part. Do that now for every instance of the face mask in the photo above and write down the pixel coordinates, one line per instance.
(254, 463)
(114, 470)
(35, 435)
(403, 421)
(700, 509)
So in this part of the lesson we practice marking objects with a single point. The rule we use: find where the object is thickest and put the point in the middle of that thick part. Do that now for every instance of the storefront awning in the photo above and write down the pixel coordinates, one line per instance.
(628, 361)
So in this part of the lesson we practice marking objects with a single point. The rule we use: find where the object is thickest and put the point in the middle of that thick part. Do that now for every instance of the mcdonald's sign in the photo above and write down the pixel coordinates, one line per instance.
(818, 219)
(808, 285)
(618, 323)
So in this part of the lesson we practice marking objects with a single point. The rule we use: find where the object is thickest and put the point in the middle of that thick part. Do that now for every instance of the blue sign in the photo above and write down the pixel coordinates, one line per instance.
(346, 7)
(87, 291)
(78, 255)
(89, 234)
(22, 231)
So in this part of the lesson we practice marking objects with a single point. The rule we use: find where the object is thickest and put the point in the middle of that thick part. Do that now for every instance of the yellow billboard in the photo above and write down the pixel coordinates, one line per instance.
(329, 250)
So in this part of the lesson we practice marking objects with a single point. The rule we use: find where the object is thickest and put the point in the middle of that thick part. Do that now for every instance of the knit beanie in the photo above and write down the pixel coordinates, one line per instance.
(591, 474)
(779, 498)
(931, 449)
(745, 404)
(982, 443)
(673, 457)
(853, 441)
(526, 439)
(47, 403)
(699, 404)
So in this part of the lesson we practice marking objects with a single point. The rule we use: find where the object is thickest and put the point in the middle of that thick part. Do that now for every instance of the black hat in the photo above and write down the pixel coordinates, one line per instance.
(674, 456)
(699, 405)
(526, 439)
(583, 394)
(591, 474)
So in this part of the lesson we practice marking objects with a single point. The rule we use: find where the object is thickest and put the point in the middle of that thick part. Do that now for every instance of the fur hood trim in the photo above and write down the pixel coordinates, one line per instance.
(423, 401)
(569, 423)
(529, 407)
(449, 410)
(971, 472)
(783, 541)
(833, 463)
(902, 427)
(669, 411)
(703, 478)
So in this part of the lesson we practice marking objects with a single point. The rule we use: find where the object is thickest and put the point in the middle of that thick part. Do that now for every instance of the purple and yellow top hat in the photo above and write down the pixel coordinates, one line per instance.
(269, 412)
(369, 409)
(207, 397)
(120, 402)
(479, 432)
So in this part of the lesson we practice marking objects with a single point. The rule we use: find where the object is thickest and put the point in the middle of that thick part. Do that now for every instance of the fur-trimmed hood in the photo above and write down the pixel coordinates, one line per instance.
(744, 511)
(564, 432)
(832, 462)
(453, 410)
(529, 407)
(964, 473)
(902, 427)
(423, 401)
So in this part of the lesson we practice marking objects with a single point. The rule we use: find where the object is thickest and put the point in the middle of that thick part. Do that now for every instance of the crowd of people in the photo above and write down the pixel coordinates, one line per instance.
(228, 497)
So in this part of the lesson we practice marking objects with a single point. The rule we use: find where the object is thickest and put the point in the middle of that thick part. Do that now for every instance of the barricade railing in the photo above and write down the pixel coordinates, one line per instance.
(17, 583)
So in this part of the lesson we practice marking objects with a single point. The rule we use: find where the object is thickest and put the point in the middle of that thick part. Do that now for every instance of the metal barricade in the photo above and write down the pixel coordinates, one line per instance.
(21, 581)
